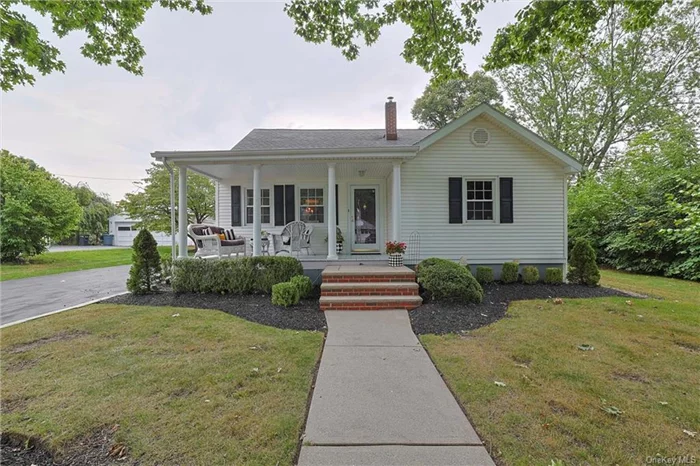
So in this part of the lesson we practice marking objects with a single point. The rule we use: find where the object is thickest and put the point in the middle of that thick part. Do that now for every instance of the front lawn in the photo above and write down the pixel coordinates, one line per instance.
(158, 385)
(51, 263)
(558, 402)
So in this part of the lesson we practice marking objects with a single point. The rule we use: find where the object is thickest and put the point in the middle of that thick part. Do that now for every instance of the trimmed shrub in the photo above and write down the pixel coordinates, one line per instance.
(285, 294)
(145, 274)
(303, 284)
(246, 275)
(554, 276)
(531, 275)
(509, 272)
(582, 264)
(484, 275)
(449, 281)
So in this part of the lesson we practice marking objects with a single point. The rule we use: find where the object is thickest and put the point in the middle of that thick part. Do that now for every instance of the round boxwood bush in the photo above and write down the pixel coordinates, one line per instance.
(553, 276)
(285, 294)
(448, 281)
(530, 275)
(484, 275)
(509, 272)
(303, 284)
(582, 264)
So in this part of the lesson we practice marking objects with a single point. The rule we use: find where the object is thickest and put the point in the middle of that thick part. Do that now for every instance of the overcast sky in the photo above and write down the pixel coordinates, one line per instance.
(208, 80)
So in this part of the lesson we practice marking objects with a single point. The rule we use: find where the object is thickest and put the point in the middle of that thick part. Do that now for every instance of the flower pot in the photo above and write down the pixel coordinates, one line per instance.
(396, 259)
(338, 248)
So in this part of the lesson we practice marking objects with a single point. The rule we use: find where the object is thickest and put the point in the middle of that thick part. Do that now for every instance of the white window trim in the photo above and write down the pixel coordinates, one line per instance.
(496, 196)
(245, 206)
(324, 205)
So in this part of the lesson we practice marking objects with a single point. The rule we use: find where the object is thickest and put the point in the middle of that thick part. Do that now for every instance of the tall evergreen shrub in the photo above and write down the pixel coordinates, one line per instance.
(582, 264)
(145, 273)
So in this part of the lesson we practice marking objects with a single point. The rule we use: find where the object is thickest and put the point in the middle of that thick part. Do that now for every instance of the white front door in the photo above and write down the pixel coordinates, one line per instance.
(364, 218)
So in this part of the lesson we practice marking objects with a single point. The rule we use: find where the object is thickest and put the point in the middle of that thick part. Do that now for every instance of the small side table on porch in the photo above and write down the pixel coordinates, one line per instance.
(264, 246)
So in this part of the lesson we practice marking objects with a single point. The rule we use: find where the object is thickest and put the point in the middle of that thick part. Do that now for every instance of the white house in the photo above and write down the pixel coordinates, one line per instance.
(483, 187)
(124, 230)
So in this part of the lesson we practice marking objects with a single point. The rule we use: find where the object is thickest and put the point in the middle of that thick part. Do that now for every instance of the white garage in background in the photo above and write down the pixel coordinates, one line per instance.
(124, 230)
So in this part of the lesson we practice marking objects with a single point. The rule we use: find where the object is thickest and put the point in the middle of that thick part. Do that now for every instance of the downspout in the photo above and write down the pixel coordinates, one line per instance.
(172, 208)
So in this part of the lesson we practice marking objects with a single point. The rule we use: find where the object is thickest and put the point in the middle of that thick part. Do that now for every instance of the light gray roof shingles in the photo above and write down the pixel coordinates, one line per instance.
(300, 139)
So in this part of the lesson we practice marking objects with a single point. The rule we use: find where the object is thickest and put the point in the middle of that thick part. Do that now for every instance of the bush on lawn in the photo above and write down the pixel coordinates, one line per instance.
(246, 275)
(285, 294)
(145, 274)
(531, 275)
(449, 281)
(582, 264)
(554, 276)
(509, 272)
(303, 284)
(484, 275)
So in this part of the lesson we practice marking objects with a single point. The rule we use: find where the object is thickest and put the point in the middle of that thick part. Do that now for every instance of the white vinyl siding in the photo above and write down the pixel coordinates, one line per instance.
(537, 233)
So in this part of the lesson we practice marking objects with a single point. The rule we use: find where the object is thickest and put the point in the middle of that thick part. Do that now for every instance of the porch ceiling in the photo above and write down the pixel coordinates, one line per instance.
(302, 170)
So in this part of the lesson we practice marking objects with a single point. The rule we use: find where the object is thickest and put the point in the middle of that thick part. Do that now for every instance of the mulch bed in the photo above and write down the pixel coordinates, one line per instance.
(257, 308)
(96, 449)
(441, 317)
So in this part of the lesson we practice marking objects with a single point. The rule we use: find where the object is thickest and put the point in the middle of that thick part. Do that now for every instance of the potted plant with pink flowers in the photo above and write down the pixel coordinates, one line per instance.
(395, 250)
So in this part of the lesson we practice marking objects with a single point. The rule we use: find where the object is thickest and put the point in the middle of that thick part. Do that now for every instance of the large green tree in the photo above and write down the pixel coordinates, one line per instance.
(593, 100)
(97, 208)
(108, 24)
(150, 204)
(447, 100)
(35, 207)
(439, 28)
(639, 212)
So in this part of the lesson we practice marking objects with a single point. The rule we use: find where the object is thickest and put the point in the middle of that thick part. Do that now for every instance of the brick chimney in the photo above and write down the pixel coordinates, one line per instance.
(390, 119)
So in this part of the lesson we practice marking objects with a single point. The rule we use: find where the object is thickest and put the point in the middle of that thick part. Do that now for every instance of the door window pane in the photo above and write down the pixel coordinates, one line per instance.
(365, 205)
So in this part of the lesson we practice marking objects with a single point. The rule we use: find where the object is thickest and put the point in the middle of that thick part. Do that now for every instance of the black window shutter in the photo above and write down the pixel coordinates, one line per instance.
(455, 198)
(236, 206)
(289, 207)
(506, 195)
(337, 219)
(279, 204)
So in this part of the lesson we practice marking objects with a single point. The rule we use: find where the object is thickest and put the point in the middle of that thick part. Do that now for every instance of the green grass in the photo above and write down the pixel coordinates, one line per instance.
(69, 261)
(647, 354)
(201, 388)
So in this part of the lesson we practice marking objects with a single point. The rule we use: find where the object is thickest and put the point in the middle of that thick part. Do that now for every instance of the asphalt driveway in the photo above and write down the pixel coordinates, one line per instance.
(30, 297)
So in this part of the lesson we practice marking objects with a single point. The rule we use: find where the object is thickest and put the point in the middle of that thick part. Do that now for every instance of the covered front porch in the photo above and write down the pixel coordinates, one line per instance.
(351, 203)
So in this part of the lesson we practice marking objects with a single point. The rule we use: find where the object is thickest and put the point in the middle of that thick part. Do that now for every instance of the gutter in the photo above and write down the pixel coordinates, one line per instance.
(285, 154)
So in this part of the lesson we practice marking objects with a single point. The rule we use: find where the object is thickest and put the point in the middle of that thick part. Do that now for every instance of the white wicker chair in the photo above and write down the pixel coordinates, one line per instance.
(213, 245)
(294, 238)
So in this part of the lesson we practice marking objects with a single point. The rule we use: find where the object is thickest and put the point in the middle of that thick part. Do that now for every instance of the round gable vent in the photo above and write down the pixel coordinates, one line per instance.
(480, 137)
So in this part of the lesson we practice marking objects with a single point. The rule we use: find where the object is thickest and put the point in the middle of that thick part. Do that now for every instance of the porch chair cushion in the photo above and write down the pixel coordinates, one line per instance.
(229, 234)
(235, 242)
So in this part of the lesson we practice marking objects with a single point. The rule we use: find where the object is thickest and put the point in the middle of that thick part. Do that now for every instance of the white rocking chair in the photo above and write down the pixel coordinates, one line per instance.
(295, 237)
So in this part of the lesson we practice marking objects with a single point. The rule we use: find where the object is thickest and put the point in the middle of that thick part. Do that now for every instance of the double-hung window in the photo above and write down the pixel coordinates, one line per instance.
(480, 195)
(311, 205)
(264, 206)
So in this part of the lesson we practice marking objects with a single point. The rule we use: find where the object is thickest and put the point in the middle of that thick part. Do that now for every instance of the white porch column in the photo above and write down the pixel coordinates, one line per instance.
(332, 214)
(256, 210)
(182, 213)
(396, 203)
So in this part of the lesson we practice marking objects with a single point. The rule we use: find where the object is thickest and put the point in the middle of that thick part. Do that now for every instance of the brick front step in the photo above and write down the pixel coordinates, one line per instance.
(369, 303)
(370, 289)
(368, 278)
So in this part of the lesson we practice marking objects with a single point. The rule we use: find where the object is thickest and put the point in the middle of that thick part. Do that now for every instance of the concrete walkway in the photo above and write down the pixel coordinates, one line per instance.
(379, 400)
(30, 297)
